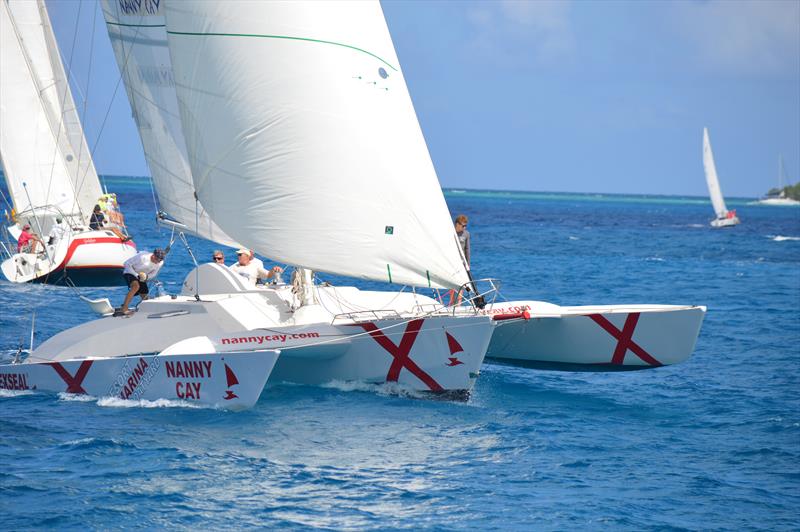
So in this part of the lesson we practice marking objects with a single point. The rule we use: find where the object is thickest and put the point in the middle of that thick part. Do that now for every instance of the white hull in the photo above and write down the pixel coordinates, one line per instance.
(86, 258)
(440, 354)
(594, 338)
(725, 222)
(231, 380)
(779, 202)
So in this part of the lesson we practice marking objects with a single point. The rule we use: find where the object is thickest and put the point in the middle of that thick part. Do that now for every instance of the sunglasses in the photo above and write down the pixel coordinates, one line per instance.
(219, 258)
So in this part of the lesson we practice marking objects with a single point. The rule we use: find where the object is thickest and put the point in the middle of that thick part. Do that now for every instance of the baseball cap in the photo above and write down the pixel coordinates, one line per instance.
(243, 251)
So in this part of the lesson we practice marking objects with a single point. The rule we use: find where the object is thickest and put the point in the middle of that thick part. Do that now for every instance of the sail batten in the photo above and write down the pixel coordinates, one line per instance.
(308, 150)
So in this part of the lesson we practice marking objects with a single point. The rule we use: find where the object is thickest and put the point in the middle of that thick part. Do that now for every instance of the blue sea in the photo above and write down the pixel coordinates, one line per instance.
(712, 443)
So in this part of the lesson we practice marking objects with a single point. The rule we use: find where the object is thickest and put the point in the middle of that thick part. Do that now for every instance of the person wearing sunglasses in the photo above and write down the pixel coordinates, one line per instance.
(218, 257)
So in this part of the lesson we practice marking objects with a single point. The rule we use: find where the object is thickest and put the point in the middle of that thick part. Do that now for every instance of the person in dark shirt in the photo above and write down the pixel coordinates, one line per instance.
(97, 220)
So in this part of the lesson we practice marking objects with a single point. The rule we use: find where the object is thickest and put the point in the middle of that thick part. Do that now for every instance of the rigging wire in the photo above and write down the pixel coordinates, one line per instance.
(86, 105)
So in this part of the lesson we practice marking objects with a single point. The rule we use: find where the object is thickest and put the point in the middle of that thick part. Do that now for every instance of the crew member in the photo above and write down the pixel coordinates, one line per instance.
(463, 235)
(250, 271)
(98, 222)
(28, 241)
(138, 270)
(57, 232)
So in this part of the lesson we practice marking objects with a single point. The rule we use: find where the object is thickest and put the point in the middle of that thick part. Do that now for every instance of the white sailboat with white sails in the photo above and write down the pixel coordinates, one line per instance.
(778, 197)
(725, 218)
(305, 147)
(47, 163)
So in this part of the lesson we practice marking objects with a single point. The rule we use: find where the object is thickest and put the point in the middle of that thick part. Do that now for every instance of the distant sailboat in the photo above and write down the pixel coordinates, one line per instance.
(779, 198)
(725, 218)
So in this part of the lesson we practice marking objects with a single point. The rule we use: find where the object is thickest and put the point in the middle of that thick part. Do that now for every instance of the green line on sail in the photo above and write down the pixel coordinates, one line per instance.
(389, 269)
(429, 278)
(212, 34)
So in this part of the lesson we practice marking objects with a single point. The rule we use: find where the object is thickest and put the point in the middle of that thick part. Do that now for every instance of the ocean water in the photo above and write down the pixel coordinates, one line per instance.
(713, 443)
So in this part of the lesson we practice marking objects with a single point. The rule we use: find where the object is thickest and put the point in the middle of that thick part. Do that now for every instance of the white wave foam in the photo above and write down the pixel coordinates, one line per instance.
(697, 225)
(781, 238)
(573, 237)
(386, 388)
(116, 402)
(79, 398)
(654, 259)
(14, 393)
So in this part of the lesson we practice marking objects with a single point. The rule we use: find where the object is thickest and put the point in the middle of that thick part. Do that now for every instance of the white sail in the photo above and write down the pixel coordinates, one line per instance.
(139, 39)
(303, 140)
(34, 164)
(38, 44)
(711, 178)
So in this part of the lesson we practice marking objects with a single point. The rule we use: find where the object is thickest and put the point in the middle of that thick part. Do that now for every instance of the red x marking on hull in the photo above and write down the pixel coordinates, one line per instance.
(401, 353)
(625, 339)
(73, 383)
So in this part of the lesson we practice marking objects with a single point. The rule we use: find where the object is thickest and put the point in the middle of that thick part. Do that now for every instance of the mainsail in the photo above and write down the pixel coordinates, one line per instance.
(139, 39)
(41, 140)
(711, 178)
(303, 140)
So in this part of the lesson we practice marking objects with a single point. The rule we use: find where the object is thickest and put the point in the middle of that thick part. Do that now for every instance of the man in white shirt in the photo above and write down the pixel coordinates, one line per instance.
(57, 232)
(249, 271)
(137, 270)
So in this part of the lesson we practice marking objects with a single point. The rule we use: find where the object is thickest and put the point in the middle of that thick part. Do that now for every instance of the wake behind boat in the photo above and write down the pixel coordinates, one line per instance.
(48, 166)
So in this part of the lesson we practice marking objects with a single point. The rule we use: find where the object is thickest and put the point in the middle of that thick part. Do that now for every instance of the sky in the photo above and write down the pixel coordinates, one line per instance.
(563, 96)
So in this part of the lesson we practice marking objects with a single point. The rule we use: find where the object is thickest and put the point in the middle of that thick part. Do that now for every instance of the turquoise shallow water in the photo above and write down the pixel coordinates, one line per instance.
(713, 443)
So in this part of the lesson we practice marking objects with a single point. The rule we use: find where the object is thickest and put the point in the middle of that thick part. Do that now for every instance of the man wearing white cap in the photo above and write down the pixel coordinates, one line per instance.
(249, 270)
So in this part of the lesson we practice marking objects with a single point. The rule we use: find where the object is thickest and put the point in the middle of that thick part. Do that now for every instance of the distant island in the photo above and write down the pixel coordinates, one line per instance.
(791, 191)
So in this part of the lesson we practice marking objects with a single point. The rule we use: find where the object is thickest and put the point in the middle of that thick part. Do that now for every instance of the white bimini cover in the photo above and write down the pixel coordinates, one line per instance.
(303, 140)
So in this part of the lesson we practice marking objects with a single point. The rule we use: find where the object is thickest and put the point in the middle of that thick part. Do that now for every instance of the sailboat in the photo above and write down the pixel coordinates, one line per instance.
(778, 197)
(47, 163)
(277, 120)
(308, 151)
(725, 218)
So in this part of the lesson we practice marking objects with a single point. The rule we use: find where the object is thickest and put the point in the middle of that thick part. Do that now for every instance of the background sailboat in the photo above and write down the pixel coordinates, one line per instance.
(725, 218)
(46, 161)
(778, 196)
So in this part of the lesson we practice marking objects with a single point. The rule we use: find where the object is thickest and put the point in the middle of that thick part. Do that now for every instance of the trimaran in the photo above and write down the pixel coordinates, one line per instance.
(47, 163)
(288, 128)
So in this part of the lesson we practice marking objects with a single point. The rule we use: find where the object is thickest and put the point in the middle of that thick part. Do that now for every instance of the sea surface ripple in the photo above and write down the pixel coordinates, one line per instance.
(713, 443)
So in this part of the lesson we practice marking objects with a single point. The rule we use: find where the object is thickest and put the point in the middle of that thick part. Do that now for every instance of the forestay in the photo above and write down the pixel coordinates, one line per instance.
(43, 141)
(711, 178)
(303, 140)
(139, 39)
